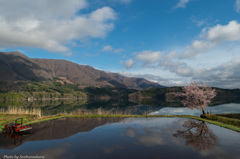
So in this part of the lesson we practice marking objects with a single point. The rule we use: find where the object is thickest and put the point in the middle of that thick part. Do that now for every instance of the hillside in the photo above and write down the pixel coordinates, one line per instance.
(15, 66)
(161, 96)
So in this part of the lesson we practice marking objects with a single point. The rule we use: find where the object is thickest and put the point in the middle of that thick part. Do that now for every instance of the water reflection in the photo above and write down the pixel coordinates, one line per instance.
(15, 138)
(218, 109)
(113, 107)
(198, 135)
(123, 138)
(54, 129)
(76, 108)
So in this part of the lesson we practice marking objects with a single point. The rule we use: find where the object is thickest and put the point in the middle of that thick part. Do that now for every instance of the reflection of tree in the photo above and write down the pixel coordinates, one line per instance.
(198, 135)
(16, 137)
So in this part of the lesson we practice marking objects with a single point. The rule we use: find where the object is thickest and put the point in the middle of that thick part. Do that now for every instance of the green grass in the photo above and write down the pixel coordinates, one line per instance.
(9, 118)
(29, 119)
(224, 120)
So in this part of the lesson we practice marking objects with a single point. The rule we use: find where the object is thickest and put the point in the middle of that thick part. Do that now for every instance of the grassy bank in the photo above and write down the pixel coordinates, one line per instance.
(228, 119)
(29, 119)
(9, 118)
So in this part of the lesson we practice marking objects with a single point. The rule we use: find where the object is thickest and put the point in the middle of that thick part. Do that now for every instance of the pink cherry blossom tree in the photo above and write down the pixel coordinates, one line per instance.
(196, 96)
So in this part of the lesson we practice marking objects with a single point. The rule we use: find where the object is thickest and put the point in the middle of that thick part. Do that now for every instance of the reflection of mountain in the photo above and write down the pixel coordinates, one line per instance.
(57, 129)
(79, 107)
(130, 110)
(198, 135)
(99, 107)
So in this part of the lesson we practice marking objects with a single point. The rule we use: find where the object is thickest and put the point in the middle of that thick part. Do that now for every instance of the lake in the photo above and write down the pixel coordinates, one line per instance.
(218, 109)
(45, 108)
(123, 138)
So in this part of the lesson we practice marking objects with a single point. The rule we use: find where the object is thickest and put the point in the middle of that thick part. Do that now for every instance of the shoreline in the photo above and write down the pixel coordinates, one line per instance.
(29, 119)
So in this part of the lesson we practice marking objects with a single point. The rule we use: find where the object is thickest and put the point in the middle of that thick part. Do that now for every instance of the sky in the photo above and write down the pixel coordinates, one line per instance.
(171, 42)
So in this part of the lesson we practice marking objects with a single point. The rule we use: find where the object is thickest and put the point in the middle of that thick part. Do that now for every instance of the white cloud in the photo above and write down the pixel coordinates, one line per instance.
(168, 81)
(211, 38)
(40, 9)
(226, 75)
(107, 48)
(122, 1)
(110, 48)
(51, 25)
(198, 22)
(148, 57)
(219, 33)
(197, 47)
(119, 50)
(177, 67)
(129, 63)
(213, 59)
(125, 1)
(182, 3)
(237, 6)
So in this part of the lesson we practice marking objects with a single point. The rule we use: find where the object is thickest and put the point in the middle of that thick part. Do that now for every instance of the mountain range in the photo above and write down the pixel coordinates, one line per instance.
(15, 66)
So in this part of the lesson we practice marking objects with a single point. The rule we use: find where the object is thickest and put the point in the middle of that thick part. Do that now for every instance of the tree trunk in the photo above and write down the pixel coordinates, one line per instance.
(203, 111)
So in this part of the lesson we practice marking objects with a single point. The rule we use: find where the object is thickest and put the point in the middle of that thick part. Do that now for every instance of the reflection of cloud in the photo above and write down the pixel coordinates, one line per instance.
(152, 140)
(131, 132)
(111, 150)
(224, 109)
(108, 150)
(176, 111)
(218, 152)
(57, 152)
(155, 135)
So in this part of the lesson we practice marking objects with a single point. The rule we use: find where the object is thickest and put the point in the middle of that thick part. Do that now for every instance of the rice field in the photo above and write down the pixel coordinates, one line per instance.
(20, 110)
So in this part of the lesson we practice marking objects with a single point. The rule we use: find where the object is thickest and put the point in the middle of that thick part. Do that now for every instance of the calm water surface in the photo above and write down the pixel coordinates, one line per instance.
(124, 138)
(219, 109)
(105, 108)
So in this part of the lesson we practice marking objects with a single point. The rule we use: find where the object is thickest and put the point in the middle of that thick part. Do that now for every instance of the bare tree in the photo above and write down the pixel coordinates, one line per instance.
(196, 96)
(198, 135)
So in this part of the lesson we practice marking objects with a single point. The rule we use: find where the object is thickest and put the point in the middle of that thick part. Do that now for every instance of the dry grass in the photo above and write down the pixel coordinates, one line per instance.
(20, 110)
(101, 111)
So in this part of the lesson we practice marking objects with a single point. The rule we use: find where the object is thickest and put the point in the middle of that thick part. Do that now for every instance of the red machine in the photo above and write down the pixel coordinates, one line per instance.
(17, 126)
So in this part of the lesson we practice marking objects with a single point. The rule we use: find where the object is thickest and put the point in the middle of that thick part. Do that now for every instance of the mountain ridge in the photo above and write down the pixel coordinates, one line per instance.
(15, 66)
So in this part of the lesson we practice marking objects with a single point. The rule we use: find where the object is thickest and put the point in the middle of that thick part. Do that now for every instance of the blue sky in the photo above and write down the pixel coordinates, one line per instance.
(171, 42)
